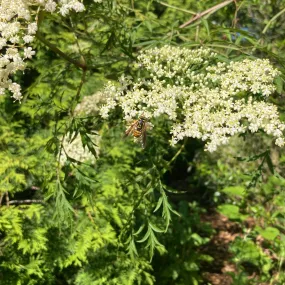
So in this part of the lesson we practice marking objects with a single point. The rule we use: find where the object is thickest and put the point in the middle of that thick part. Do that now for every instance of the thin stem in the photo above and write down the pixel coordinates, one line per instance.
(176, 154)
(234, 22)
(197, 33)
(76, 99)
(77, 42)
(271, 20)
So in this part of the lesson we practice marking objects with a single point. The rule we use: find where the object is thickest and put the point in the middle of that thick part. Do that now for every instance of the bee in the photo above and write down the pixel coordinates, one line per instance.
(138, 130)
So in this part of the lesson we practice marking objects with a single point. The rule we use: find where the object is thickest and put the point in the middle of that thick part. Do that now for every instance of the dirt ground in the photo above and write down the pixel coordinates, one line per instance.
(226, 231)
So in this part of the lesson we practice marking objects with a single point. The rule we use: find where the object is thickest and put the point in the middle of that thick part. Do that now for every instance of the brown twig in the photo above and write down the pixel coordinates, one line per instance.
(90, 217)
(7, 199)
(1, 198)
(26, 202)
(206, 12)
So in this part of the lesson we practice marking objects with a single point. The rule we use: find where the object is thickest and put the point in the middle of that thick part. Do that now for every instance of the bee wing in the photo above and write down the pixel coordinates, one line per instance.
(130, 129)
(144, 136)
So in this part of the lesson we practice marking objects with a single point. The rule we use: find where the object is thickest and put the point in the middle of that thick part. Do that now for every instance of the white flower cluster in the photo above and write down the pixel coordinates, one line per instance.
(89, 105)
(63, 6)
(17, 30)
(255, 76)
(75, 149)
(205, 99)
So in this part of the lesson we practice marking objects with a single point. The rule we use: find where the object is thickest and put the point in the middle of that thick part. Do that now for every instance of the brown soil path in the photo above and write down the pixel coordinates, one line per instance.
(226, 231)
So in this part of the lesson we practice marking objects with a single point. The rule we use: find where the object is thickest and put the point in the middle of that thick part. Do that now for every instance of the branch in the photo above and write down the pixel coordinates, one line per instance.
(26, 202)
(77, 63)
(208, 11)
(7, 199)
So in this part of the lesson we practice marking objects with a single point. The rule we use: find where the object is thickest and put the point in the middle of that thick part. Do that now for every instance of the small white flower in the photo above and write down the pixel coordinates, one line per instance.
(50, 6)
(29, 52)
(32, 28)
(89, 105)
(16, 90)
(3, 42)
(77, 6)
(14, 39)
(64, 10)
(2, 91)
(40, 2)
(280, 142)
(28, 39)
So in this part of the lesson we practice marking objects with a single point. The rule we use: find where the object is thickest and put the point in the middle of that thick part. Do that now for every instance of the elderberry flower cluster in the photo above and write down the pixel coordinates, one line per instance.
(204, 98)
(75, 149)
(18, 27)
(89, 105)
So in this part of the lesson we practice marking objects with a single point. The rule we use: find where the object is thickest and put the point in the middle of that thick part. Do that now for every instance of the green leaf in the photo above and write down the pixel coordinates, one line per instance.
(87, 141)
(146, 236)
(206, 25)
(231, 211)
(148, 25)
(52, 145)
(235, 191)
(159, 203)
(166, 208)
(139, 230)
(155, 228)
(152, 241)
(269, 233)
(279, 84)
(132, 250)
